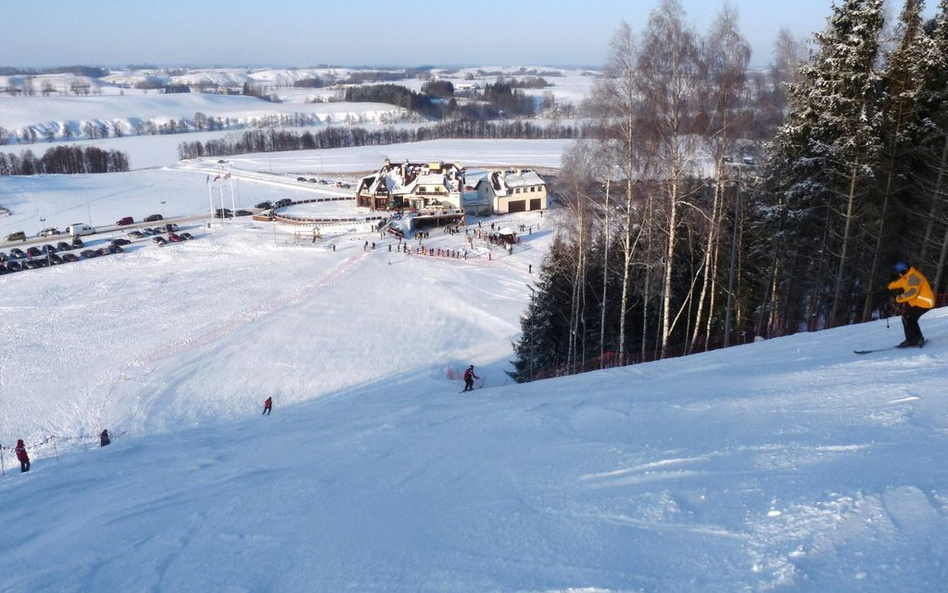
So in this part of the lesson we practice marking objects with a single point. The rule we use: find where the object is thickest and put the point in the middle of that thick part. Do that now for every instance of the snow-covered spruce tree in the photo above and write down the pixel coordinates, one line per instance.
(931, 185)
(824, 161)
(544, 342)
(899, 134)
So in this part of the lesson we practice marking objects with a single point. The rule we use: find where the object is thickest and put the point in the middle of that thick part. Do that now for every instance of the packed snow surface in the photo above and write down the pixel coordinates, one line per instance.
(784, 465)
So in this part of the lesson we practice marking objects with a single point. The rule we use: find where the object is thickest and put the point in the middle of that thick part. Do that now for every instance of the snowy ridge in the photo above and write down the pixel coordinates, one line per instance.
(36, 120)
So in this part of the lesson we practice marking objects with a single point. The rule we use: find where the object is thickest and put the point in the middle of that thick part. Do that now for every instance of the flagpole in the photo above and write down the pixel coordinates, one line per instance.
(220, 190)
(210, 200)
(233, 203)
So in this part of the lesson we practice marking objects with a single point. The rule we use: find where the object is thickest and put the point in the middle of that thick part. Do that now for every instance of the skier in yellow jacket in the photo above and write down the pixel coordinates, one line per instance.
(913, 290)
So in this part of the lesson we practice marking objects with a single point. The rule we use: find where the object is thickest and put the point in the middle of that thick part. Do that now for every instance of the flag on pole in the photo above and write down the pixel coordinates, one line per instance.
(216, 178)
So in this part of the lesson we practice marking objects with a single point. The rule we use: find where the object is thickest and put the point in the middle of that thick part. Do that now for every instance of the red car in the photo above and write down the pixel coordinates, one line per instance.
(125, 221)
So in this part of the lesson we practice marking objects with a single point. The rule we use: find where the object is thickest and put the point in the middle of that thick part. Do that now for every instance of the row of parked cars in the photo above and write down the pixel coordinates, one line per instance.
(50, 255)
(268, 205)
(228, 213)
(323, 182)
(79, 228)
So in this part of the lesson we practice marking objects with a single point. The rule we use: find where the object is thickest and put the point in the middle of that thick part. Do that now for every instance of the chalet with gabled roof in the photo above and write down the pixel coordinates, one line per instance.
(412, 186)
(520, 190)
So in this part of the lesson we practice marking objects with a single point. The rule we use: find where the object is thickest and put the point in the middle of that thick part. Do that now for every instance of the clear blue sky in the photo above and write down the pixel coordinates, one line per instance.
(358, 32)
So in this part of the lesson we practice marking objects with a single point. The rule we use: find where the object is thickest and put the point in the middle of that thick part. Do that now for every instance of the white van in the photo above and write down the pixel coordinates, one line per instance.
(79, 229)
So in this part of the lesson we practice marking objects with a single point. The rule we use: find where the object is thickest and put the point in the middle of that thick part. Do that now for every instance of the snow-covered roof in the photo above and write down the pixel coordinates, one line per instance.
(522, 179)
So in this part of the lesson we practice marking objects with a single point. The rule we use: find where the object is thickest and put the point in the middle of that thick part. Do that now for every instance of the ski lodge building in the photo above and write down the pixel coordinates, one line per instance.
(520, 190)
(440, 192)
(412, 186)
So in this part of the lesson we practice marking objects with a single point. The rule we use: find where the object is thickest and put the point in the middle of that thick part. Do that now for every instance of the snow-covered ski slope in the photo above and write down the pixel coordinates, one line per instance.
(786, 465)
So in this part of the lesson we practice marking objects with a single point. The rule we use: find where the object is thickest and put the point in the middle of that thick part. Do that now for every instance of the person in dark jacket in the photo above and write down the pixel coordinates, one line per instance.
(268, 406)
(912, 290)
(104, 438)
(22, 456)
(469, 377)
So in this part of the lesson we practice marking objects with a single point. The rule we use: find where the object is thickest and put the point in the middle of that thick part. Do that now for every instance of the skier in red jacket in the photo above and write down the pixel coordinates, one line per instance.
(22, 456)
(469, 377)
(268, 406)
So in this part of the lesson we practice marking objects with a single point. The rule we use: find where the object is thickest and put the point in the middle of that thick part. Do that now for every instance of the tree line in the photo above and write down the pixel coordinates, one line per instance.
(344, 137)
(64, 160)
(712, 205)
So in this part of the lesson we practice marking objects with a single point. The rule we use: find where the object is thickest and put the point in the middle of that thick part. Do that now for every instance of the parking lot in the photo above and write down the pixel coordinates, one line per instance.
(56, 248)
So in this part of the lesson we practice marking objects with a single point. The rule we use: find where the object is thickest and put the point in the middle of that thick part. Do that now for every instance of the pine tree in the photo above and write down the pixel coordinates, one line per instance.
(826, 151)
(932, 178)
(899, 104)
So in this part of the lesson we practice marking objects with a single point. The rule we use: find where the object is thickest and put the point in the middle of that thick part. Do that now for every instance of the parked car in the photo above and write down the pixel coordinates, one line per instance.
(186, 236)
(282, 203)
(3, 257)
(13, 266)
(243, 213)
(136, 234)
(34, 264)
(78, 228)
(159, 241)
(115, 249)
(34, 251)
(17, 236)
(120, 241)
(54, 258)
(171, 227)
(223, 213)
(48, 232)
(77, 243)
(17, 253)
(125, 221)
(153, 218)
(301, 179)
(48, 248)
(63, 246)
(101, 251)
(174, 238)
(3, 269)
(264, 205)
(89, 254)
(70, 257)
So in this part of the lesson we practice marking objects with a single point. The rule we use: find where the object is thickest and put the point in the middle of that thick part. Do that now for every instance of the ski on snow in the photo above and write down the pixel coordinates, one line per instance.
(887, 348)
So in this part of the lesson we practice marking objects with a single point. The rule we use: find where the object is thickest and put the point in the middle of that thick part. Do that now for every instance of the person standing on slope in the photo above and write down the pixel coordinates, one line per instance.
(268, 406)
(469, 377)
(22, 456)
(912, 290)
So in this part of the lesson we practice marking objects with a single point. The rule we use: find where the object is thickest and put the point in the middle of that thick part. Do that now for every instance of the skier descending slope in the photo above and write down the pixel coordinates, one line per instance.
(469, 377)
(912, 289)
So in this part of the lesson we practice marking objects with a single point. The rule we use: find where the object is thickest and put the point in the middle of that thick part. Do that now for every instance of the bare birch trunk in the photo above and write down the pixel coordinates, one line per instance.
(838, 290)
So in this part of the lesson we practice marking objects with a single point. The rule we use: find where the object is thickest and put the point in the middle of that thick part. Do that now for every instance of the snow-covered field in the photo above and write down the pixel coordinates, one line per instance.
(787, 465)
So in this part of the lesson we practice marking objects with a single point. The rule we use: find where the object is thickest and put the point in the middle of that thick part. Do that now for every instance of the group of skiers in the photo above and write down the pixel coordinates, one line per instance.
(24, 458)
